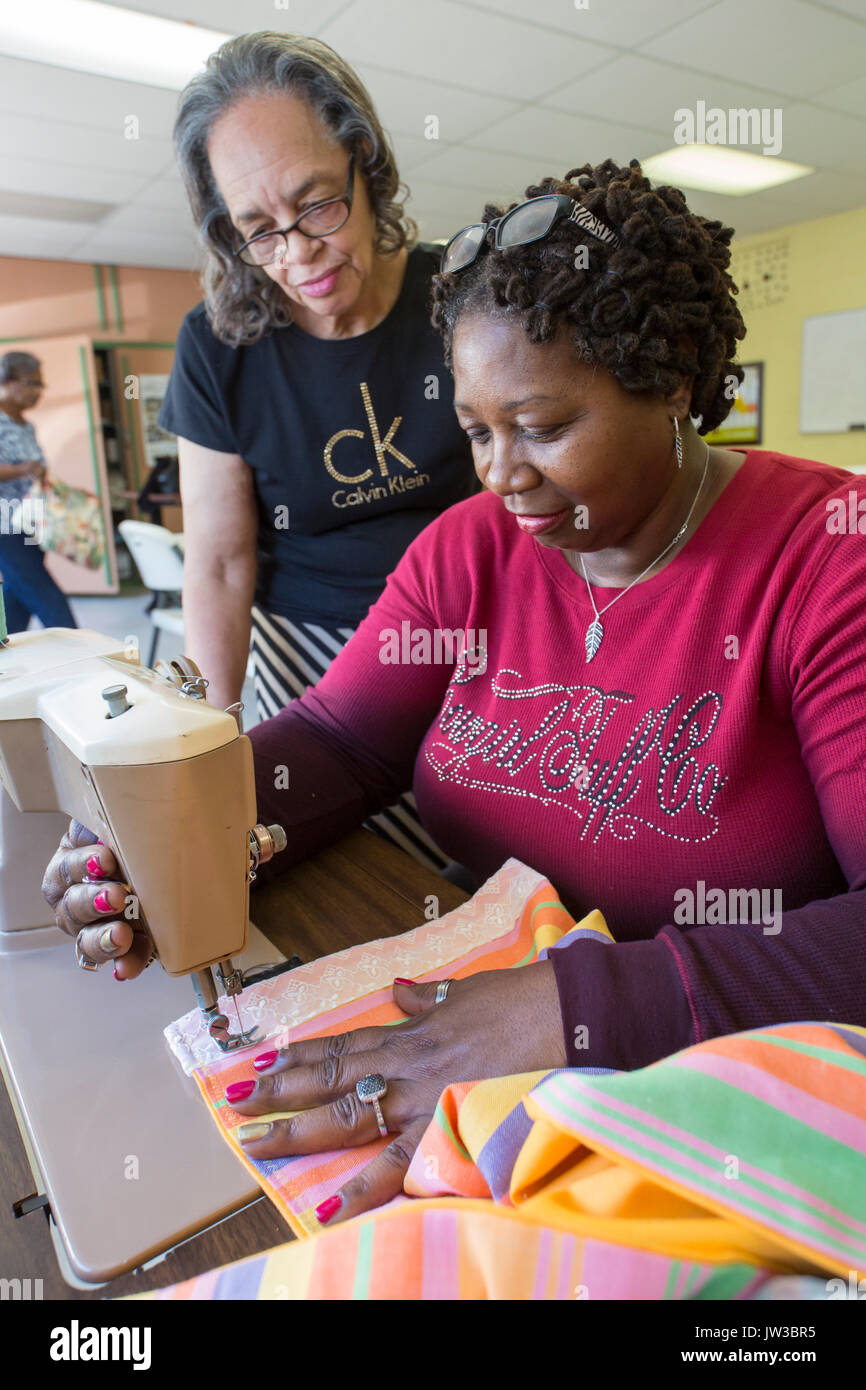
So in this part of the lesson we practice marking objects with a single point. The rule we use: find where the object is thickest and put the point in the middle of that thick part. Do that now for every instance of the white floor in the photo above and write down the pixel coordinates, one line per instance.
(123, 616)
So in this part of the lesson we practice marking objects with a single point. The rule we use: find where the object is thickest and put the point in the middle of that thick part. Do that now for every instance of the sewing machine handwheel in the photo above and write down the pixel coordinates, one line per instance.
(182, 666)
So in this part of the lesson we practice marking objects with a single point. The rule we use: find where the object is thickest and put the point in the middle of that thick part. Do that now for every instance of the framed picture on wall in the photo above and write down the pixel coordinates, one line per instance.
(158, 444)
(745, 423)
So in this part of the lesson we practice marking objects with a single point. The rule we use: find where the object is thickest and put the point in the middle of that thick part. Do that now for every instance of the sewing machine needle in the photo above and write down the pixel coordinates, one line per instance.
(238, 1012)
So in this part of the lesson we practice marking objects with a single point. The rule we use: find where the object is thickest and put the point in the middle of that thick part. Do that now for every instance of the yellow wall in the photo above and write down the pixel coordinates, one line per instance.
(826, 275)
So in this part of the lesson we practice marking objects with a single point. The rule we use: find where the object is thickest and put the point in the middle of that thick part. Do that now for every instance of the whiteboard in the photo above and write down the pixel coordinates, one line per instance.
(833, 380)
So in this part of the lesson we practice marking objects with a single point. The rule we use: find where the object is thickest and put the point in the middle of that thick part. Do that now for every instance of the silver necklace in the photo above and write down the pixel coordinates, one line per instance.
(595, 631)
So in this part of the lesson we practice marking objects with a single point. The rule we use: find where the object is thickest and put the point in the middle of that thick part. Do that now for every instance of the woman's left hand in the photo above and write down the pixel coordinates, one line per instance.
(494, 1024)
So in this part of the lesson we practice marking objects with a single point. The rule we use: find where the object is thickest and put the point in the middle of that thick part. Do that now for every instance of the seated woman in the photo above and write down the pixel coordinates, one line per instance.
(659, 704)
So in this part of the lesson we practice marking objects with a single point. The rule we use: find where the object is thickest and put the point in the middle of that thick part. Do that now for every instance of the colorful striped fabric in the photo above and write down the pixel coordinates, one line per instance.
(764, 1130)
(731, 1170)
(518, 932)
(423, 1250)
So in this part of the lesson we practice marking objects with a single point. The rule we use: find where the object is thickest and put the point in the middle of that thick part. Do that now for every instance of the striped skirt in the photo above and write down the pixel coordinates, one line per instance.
(288, 657)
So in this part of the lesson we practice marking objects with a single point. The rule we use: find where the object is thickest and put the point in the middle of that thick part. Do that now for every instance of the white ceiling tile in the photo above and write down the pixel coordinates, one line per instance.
(410, 152)
(507, 175)
(625, 23)
(644, 92)
(36, 236)
(850, 97)
(565, 140)
(855, 8)
(48, 206)
(447, 207)
(136, 257)
(812, 135)
(28, 138)
(163, 193)
(454, 43)
(747, 216)
(134, 248)
(68, 180)
(44, 91)
(433, 226)
(785, 45)
(818, 195)
(232, 17)
(149, 221)
(521, 91)
(404, 103)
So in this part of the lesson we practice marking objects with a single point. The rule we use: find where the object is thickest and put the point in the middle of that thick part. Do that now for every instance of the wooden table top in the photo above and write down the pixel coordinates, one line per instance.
(361, 889)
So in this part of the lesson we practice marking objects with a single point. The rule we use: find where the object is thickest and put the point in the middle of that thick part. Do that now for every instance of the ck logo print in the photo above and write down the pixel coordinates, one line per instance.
(382, 446)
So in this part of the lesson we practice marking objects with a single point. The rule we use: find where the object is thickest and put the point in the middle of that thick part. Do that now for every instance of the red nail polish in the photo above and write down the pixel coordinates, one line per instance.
(265, 1059)
(94, 868)
(121, 978)
(99, 842)
(404, 982)
(325, 1210)
(100, 901)
(239, 1090)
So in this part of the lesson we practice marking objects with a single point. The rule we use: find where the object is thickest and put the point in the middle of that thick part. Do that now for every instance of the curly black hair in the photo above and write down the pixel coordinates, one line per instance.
(655, 310)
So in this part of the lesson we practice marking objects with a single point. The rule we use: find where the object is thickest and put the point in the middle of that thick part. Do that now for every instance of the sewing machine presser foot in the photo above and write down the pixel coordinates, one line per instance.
(230, 1042)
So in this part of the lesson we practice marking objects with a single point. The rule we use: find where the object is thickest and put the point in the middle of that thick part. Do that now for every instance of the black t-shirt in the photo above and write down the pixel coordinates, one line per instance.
(353, 441)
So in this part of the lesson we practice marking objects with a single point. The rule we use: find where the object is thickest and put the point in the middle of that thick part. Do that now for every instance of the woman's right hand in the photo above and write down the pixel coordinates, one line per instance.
(79, 909)
(37, 469)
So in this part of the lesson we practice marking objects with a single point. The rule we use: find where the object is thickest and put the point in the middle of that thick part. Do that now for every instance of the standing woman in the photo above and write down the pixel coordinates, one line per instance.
(28, 589)
(313, 409)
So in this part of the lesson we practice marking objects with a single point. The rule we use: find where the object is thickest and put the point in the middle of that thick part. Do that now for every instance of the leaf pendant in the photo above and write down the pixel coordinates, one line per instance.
(594, 634)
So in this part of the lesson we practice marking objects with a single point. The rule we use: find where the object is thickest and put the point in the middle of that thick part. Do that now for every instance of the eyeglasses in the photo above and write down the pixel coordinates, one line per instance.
(320, 220)
(529, 221)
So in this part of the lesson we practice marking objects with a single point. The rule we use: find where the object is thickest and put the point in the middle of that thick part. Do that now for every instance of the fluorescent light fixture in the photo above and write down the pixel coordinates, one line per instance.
(107, 40)
(721, 169)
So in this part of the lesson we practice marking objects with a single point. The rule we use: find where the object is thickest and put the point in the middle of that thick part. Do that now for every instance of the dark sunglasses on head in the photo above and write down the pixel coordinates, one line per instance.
(529, 221)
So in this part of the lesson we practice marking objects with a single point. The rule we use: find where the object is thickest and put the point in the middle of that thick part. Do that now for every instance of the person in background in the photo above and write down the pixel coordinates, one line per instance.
(28, 589)
(309, 394)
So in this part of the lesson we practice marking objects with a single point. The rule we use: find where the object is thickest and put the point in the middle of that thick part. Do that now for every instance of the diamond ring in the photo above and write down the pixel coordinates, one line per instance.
(370, 1089)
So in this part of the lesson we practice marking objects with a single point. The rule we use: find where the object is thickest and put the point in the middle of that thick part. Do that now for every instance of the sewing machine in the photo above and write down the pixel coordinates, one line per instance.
(122, 1149)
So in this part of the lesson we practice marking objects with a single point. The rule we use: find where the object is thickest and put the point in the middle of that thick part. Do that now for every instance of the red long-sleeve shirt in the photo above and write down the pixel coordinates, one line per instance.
(716, 742)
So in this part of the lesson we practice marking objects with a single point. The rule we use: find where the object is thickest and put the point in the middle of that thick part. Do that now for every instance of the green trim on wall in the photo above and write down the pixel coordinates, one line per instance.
(124, 343)
(115, 297)
(94, 454)
(100, 297)
(131, 423)
(95, 342)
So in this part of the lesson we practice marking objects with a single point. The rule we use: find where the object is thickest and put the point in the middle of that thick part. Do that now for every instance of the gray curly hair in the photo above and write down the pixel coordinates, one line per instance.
(16, 364)
(242, 302)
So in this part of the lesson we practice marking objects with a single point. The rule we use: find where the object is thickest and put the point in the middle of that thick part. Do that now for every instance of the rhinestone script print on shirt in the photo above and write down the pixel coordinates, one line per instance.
(567, 744)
